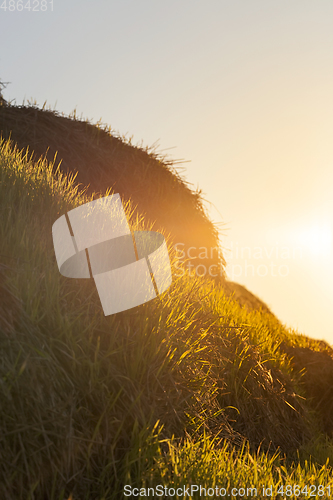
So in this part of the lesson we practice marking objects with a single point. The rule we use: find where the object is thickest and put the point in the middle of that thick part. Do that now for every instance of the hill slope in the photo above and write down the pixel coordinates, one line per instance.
(103, 161)
(164, 394)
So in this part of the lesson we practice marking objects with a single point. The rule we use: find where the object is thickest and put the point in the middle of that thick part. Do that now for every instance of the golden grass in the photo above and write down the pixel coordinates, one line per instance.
(185, 388)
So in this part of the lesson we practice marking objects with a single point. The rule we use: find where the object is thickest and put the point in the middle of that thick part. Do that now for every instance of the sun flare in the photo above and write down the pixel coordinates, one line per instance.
(316, 239)
(313, 237)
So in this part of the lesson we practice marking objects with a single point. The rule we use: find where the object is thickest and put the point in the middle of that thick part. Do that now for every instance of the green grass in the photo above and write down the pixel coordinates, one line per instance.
(189, 388)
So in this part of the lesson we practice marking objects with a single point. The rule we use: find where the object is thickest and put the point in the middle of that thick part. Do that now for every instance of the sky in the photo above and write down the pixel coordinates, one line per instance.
(241, 90)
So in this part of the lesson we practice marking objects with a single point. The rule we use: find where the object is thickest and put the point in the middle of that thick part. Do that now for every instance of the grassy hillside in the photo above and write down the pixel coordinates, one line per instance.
(102, 160)
(188, 389)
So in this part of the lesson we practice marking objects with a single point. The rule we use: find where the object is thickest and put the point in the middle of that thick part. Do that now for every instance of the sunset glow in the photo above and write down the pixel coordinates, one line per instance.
(241, 90)
(316, 239)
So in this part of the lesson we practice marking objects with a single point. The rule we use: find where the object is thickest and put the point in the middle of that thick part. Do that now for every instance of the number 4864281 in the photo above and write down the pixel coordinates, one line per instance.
(27, 5)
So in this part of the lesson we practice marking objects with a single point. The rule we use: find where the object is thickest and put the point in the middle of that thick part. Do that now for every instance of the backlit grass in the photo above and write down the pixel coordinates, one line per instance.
(189, 388)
